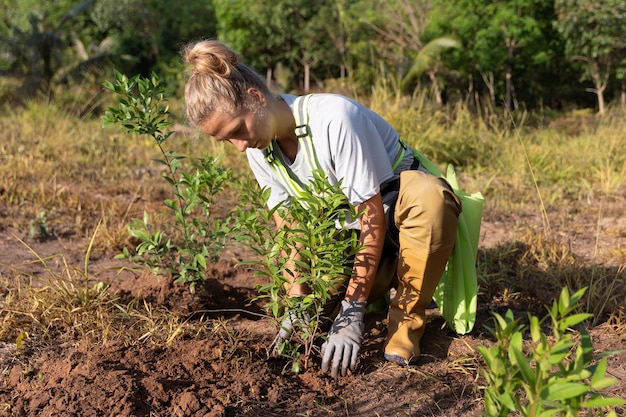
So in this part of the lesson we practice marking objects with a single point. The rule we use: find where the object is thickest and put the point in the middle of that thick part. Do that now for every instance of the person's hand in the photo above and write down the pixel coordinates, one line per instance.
(341, 349)
(285, 330)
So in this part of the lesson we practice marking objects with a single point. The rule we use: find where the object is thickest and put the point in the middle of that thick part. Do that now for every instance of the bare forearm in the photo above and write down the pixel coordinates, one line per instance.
(372, 239)
(291, 275)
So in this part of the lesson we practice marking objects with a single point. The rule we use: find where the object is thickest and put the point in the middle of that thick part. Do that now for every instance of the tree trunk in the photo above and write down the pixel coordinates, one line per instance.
(307, 76)
(507, 97)
(436, 88)
(508, 100)
(268, 77)
(470, 90)
(488, 80)
(599, 85)
(600, 93)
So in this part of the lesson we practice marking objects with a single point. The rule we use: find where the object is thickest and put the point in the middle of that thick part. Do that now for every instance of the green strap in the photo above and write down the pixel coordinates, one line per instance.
(294, 188)
(303, 132)
(305, 141)
(400, 151)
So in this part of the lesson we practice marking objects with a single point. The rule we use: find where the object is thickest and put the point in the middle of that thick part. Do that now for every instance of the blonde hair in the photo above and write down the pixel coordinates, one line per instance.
(218, 81)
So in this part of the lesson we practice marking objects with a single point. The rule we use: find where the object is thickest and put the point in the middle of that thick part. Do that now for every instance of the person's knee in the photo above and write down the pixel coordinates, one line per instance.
(427, 209)
(427, 194)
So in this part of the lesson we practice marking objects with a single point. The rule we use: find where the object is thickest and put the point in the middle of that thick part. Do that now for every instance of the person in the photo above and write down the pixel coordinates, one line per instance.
(404, 207)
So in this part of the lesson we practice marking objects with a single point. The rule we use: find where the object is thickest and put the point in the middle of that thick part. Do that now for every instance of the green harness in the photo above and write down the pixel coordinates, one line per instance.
(457, 292)
(286, 177)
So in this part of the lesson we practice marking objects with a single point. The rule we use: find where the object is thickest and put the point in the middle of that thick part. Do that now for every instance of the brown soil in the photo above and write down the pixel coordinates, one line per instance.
(227, 373)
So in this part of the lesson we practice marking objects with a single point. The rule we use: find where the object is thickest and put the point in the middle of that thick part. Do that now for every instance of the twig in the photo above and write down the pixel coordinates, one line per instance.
(233, 310)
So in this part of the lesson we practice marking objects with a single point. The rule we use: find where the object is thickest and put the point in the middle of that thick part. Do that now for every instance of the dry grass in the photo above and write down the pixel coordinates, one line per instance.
(65, 175)
(70, 304)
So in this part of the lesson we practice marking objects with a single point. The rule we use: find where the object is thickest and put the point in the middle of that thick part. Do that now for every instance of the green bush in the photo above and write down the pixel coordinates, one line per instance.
(549, 375)
(141, 110)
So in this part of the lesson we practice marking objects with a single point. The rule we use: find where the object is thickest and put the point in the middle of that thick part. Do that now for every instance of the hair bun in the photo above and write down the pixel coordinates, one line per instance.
(211, 58)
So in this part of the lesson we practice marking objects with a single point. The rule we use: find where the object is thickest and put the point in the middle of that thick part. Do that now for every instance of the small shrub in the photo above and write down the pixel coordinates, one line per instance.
(309, 247)
(141, 110)
(558, 376)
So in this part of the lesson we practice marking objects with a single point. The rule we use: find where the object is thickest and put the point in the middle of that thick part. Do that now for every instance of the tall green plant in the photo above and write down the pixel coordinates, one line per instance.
(551, 375)
(312, 247)
(142, 110)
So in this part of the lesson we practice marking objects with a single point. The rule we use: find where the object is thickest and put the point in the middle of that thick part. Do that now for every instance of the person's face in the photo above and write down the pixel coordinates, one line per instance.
(251, 128)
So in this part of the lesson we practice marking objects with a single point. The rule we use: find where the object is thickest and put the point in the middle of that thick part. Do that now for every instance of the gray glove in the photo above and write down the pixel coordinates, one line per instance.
(290, 321)
(344, 339)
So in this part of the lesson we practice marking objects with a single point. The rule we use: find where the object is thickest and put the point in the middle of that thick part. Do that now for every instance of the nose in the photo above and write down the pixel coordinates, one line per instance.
(241, 145)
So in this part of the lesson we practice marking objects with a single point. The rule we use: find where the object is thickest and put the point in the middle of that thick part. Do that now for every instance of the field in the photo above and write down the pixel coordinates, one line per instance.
(84, 334)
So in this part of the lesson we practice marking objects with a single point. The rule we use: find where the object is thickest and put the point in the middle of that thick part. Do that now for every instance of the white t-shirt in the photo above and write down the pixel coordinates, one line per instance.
(352, 143)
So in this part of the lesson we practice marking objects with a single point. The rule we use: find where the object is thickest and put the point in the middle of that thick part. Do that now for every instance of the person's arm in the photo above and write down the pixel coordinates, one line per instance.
(341, 349)
(289, 320)
(372, 239)
(293, 289)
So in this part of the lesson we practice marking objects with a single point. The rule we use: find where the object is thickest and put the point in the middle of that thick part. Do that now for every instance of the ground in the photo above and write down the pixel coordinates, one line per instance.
(224, 371)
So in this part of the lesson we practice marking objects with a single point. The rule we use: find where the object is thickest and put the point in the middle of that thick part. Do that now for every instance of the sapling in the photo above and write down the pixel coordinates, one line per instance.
(553, 375)
(142, 110)
(312, 247)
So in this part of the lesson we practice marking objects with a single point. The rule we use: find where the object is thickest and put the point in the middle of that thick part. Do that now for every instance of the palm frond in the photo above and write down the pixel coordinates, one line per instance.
(429, 53)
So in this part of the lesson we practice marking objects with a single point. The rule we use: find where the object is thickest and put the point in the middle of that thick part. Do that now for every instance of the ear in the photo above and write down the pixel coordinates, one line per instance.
(256, 96)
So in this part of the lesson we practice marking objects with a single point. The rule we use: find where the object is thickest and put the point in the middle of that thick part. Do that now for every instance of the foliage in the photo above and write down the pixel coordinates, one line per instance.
(501, 41)
(141, 111)
(400, 25)
(351, 43)
(594, 34)
(56, 47)
(155, 30)
(292, 33)
(556, 376)
(309, 248)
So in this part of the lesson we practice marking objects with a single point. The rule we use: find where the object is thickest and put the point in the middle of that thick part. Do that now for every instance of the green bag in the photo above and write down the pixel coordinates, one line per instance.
(457, 292)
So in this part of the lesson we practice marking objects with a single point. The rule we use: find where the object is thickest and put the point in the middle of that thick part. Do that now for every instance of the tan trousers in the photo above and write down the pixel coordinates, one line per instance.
(426, 215)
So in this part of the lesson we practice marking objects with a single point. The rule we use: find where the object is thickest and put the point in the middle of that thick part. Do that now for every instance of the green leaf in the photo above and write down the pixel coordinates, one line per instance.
(507, 400)
(140, 234)
(535, 329)
(19, 340)
(573, 320)
(560, 390)
(517, 358)
(587, 345)
(598, 380)
(601, 402)
(575, 298)
(201, 260)
(560, 351)
(548, 413)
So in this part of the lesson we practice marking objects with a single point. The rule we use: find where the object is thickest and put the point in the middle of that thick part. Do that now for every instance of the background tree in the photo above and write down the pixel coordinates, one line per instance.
(401, 27)
(511, 50)
(245, 26)
(154, 31)
(501, 40)
(354, 39)
(593, 31)
(49, 49)
(291, 32)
